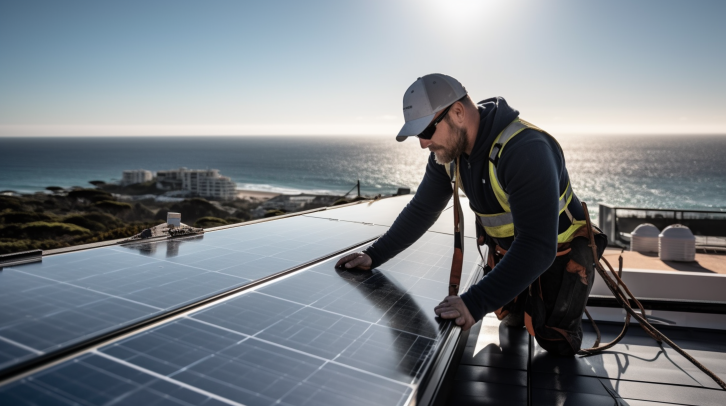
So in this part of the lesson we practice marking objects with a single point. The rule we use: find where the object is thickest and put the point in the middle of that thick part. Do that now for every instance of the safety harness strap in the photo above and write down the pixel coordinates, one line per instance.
(458, 258)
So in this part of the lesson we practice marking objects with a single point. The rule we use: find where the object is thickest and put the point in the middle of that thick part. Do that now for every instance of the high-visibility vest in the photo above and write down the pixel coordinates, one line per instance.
(501, 225)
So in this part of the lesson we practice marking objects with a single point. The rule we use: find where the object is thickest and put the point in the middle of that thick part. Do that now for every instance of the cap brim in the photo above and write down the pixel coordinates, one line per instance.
(414, 127)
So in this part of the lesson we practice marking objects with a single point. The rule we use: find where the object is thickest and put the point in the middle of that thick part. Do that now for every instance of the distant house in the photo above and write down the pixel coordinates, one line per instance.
(136, 176)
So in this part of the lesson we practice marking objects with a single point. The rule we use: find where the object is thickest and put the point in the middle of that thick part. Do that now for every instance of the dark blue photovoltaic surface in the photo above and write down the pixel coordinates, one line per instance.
(322, 336)
(70, 297)
(96, 380)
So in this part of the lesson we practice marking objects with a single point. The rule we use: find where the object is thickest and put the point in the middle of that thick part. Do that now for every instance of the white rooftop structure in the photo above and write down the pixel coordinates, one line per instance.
(677, 243)
(644, 238)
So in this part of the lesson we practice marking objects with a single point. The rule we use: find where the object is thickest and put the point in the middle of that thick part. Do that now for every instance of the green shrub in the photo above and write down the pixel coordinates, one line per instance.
(192, 209)
(273, 213)
(15, 246)
(85, 222)
(50, 204)
(9, 247)
(243, 215)
(94, 195)
(142, 213)
(112, 206)
(144, 188)
(209, 222)
(12, 231)
(41, 230)
(11, 203)
(20, 217)
(106, 219)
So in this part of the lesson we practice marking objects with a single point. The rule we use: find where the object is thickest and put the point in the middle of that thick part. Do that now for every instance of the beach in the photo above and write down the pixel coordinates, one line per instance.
(256, 195)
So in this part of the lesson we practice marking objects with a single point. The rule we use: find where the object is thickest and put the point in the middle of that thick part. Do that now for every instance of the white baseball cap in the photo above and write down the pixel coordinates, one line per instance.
(424, 98)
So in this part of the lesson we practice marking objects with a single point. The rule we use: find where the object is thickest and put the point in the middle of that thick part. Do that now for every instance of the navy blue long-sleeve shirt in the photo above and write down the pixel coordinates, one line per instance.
(531, 170)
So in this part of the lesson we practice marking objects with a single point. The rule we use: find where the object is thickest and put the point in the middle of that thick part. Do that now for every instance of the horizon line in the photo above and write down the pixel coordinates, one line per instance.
(325, 130)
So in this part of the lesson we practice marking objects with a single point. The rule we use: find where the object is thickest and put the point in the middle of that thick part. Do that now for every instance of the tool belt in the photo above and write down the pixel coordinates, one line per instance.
(551, 308)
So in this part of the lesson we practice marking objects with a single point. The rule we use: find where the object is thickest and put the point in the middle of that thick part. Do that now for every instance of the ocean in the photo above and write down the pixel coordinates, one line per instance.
(636, 171)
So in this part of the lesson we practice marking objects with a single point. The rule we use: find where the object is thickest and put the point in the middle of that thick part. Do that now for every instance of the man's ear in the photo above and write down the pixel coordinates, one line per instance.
(458, 112)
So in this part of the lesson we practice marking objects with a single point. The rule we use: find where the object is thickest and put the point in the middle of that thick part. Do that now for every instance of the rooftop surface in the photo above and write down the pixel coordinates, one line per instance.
(504, 366)
(710, 263)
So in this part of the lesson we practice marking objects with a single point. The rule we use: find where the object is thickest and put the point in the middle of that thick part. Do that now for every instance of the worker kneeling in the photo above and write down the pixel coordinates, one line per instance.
(539, 271)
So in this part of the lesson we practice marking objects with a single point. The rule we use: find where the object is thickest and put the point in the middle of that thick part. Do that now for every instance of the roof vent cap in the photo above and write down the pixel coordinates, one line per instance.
(644, 238)
(173, 219)
(677, 243)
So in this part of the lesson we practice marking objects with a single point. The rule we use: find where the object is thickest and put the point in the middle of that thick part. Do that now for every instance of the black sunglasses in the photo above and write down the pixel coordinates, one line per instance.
(429, 131)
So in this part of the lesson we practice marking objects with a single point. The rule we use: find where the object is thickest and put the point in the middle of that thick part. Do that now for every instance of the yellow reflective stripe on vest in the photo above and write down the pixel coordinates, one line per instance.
(514, 128)
(496, 220)
(500, 219)
(566, 236)
(566, 198)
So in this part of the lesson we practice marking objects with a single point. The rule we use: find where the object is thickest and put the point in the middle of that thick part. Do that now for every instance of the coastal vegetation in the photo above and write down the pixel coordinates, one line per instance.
(62, 218)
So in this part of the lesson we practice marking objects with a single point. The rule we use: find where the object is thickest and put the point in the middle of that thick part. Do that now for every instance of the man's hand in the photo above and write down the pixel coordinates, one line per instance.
(357, 260)
(452, 307)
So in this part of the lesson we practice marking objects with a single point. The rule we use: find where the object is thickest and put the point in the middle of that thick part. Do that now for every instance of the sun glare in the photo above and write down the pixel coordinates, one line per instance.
(466, 17)
(464, 11)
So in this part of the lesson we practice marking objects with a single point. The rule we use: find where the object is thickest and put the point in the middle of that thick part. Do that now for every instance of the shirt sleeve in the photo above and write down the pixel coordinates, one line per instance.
(530, 173)
(417, 217)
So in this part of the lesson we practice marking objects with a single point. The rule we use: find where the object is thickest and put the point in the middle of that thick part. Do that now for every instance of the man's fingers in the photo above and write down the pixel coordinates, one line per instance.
(355, 262)
(452, 307)
(345, 259)
(348, 258)
(450, 314)
(442, 308)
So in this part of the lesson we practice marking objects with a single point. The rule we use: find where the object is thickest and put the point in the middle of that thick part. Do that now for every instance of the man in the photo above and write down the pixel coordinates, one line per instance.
(519, 188)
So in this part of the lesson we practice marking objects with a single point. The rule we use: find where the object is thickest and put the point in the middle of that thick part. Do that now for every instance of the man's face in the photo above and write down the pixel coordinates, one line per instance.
(448, 142)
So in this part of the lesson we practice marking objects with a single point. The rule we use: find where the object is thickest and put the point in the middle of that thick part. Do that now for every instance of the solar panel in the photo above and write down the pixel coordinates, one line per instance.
(384, 212)
(321, 336)
(70, 297)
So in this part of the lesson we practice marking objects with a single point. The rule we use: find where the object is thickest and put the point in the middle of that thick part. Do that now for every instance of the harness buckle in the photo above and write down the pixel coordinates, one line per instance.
(494, 156)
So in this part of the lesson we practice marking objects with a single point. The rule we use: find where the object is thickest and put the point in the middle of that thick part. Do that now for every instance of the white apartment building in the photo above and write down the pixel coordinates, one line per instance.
(204, 182)
(136, 176)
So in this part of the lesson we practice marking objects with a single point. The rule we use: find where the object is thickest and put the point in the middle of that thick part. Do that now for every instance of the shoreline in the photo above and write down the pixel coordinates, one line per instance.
(256, 195)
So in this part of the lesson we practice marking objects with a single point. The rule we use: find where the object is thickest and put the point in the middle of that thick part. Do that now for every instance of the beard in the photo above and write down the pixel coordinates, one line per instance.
(444, 155)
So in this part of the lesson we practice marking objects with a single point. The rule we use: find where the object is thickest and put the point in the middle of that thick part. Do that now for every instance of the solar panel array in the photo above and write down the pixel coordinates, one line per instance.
(71, 297)
(321, 336)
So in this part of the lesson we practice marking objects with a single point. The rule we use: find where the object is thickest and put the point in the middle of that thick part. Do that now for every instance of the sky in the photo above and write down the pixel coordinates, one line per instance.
(94, 68)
